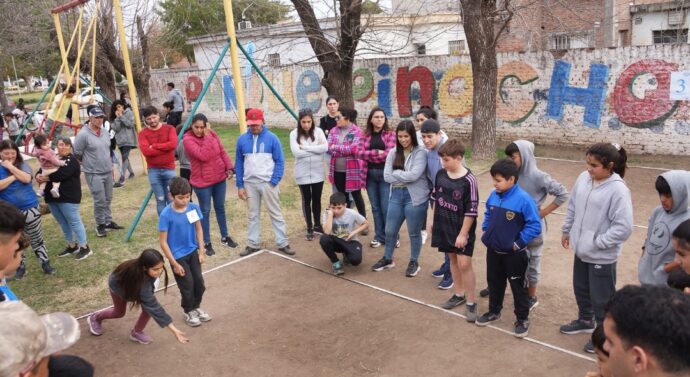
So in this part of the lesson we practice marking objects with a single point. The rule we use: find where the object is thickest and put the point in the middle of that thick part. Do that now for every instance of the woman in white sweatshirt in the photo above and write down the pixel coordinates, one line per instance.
(598, 221)
(308, 144)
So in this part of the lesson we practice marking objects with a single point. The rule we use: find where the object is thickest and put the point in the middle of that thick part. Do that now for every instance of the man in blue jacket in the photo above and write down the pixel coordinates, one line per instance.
(510, 223)
(259, 166)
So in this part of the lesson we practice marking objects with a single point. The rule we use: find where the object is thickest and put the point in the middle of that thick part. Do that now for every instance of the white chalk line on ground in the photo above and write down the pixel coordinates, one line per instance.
(175, 283)
(582, 162)
(416, 301)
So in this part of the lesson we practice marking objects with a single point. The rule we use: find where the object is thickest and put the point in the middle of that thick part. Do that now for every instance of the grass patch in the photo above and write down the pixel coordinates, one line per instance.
(81, 286)
(29, 98)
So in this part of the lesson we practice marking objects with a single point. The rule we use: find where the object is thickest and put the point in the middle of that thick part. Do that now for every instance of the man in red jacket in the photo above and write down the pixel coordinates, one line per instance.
(158, 142)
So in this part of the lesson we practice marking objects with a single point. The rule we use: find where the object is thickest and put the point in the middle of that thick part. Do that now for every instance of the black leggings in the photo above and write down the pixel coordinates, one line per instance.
(339, 178)
(311, 203)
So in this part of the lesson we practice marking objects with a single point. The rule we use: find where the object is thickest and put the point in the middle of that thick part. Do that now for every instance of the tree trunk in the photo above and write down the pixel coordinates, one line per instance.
(479, 29)
(338, 83)
(104, 76)
(143, 75)
(3, 97)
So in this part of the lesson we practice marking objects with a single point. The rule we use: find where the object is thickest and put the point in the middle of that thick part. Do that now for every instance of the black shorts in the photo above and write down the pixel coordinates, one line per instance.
(468, 250)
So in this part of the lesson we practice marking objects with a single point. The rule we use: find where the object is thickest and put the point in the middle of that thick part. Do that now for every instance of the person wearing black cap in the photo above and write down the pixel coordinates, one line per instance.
(92, 148)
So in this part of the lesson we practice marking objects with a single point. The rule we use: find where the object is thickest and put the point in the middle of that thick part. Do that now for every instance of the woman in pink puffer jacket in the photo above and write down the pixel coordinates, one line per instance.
(211, 167)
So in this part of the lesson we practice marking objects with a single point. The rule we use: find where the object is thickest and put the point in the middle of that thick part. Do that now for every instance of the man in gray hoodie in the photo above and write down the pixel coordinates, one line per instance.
(538, 185)
(657, 252)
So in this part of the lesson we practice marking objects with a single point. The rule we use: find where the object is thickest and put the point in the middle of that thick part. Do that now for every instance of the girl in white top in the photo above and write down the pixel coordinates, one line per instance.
(308, 144)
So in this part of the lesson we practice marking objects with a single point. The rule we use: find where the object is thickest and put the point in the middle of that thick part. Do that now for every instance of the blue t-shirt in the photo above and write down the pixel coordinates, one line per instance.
(181, 229)
(6, 293)
(21, 195)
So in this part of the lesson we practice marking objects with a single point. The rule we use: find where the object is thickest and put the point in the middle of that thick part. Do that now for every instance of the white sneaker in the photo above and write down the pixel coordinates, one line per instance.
(202, 315)
(54, 192)
(397, 244)
(424, 237)
(192, 319)
(374, 243)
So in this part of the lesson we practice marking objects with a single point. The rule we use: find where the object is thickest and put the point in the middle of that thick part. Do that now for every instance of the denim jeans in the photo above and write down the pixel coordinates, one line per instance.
(217, 193)
(68, 217)
(400, 208)
(160, 180)
(271, 196)
(378, 191)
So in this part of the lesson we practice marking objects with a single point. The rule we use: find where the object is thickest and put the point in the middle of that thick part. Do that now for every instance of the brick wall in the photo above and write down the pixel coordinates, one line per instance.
(582, 97)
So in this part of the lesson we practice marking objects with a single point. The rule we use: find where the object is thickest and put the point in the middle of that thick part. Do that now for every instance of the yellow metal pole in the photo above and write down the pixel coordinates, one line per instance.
(61, 41)
(77, 68)
(93, 54)
(64, 64)
(128, 70)
(236, 78)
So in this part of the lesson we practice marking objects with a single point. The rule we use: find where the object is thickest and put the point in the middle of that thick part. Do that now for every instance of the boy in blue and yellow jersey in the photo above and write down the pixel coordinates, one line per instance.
(510, 223)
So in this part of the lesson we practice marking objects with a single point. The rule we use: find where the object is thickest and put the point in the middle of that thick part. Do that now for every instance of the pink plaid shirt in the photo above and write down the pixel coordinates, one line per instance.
(366, 154)
(348, 149)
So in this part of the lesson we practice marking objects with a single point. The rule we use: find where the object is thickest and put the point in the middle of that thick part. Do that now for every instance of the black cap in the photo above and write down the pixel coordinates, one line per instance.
(430, 126)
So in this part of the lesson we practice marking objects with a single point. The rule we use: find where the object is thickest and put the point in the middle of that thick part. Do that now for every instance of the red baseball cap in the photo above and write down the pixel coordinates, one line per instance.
(255, 116)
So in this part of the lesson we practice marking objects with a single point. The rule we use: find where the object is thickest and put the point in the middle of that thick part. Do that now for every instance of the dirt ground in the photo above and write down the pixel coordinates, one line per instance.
(276, 317)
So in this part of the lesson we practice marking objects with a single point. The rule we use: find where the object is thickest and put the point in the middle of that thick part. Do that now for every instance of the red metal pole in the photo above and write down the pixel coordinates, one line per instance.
(68, 6)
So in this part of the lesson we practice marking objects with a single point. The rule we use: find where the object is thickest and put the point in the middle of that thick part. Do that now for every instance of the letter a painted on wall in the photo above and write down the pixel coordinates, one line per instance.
(641, 96)
(421, 75)
(591, 98)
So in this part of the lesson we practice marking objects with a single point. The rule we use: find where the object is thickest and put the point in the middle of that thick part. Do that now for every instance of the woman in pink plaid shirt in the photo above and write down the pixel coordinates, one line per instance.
(345, 168)
(373, 148)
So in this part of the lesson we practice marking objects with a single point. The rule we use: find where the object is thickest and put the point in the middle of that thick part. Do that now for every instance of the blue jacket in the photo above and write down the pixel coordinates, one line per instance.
(259, 158)
(511, 220)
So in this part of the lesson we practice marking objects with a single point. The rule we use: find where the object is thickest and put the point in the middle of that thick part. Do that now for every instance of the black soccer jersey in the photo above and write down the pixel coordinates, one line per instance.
(453, 200)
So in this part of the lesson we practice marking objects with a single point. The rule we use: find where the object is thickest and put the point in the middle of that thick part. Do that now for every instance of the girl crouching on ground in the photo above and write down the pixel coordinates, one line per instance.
(135, 281)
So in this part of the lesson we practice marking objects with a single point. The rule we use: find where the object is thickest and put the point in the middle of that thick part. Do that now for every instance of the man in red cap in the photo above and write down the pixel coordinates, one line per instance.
(259, 166)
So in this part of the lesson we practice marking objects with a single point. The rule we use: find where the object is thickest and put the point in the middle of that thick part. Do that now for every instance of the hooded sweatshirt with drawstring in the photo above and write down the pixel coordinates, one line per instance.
(657, 247)
(599, 218)
(535, 182)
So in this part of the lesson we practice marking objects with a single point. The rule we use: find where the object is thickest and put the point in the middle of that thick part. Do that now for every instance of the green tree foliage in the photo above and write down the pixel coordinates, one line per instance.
(191, 18)
(371, 7)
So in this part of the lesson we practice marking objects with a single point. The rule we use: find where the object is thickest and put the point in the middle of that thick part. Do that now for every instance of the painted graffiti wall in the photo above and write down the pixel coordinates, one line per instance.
(617, 95)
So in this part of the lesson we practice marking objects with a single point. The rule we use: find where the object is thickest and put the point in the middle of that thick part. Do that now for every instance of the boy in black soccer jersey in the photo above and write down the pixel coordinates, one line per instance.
(455, 212)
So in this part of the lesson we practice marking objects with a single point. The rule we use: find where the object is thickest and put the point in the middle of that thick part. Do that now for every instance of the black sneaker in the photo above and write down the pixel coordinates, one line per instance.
(533, 302)
(318, 229)
(100, 231)
(578, 326)
(412, 269)
(521, 328)
(113, 226)
(69, 250)
(484, 292)
(20, 273)
(47, 268)
(453, 301)
(487, 317)
(83, 253)
(383, 264)
(589, 347)
(118, 184)
(209, 250)
(229, 242)
(310, 235)
(287, 250)
(249, 250)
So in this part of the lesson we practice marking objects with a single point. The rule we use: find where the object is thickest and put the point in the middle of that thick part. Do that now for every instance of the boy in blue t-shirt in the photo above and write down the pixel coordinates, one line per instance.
(181, 239)
(12, 245)
(511, 221)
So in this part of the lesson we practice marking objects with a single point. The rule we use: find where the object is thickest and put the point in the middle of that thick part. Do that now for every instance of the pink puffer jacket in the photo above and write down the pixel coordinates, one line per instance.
(209, 161)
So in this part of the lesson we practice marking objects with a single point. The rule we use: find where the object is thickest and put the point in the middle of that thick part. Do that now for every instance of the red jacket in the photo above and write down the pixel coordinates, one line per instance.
(159, 146)
(209, 161)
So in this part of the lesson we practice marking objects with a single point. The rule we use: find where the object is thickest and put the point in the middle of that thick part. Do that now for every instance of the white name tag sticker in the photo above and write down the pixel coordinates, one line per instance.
(192, 216)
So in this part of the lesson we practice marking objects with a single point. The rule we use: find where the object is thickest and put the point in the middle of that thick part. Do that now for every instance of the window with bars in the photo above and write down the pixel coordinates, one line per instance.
(570, 41)
(274, 60)
(456, 48)
(670, 36)
(560, 42)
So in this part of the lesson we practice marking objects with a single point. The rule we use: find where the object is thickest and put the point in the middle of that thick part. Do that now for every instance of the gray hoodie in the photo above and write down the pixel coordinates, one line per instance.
(599, 218)
(413, 177)
(535, 182)
(657, 247)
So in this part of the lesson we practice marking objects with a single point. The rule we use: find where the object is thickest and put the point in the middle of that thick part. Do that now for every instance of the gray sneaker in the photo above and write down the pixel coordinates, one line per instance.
(521, 328)
(471, 312)
(192, 318)
(453, 301)
(578, 326)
